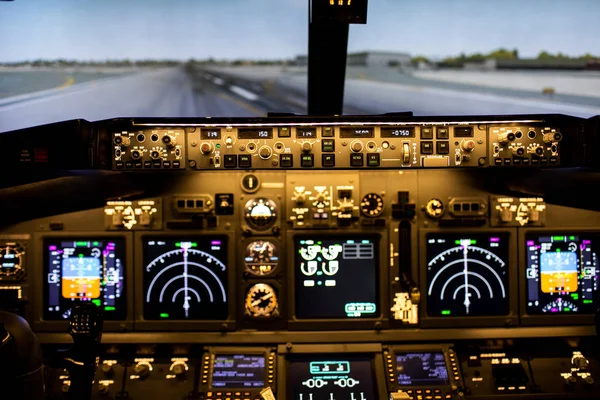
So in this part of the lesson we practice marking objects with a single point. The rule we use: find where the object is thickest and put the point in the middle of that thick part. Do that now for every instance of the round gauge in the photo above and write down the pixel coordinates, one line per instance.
(261, 301)
(11, 260)
(260, 213)
(261, 258)
(559, 305)
(371, 205)
(434, 208)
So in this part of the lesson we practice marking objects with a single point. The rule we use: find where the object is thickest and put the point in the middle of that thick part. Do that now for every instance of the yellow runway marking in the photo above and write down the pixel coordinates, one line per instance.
(242, 104)
(67, 83)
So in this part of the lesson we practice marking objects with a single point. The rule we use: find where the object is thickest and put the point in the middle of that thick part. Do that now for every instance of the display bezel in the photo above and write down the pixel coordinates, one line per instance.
(354, 349)
(262, 351)
(42, 325)
(511, 319)
(554, 319)
(378, 322)
(393, 385)
(142, 324)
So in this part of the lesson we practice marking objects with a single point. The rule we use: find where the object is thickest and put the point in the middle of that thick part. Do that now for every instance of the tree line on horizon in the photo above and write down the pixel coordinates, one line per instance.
(503, 54)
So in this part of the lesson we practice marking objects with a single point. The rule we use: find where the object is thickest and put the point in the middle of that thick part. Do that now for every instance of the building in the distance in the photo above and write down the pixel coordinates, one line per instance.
(369, 59)
(378, 58)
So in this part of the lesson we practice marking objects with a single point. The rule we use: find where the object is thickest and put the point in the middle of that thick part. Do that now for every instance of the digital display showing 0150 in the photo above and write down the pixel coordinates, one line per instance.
(336, 277)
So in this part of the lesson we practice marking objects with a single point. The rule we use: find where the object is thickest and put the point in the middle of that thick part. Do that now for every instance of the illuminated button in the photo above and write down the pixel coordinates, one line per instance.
(230, 161)
(409, 391)
(204, 381)
(167, 164)
(328, 145)
(248, 393)
(373, 160)
(442, 133)
(120, 164)
(426, 147)
(128, 164)
(176, 164)
(448, 396)
(205, 376)
(437, 397)
(442, 147)
(427, 391)
(419, 391)
(454, 369)
(228, 394)
(356, 160)
(426, 133)
(284, 131)
(307, 160)
(507, 161)
(428, 397)
(244, 161)
(498, 161)
(286, 160)
(327, 131)
(208, 394)
(328, 160)
(437, 391)
(219, 393)
(137, 164)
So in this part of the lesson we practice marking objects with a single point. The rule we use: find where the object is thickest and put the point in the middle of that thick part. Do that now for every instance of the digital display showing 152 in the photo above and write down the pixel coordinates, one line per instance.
(562, 275)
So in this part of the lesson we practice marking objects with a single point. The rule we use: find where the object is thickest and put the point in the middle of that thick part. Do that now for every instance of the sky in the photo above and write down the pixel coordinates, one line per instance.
(277, 29)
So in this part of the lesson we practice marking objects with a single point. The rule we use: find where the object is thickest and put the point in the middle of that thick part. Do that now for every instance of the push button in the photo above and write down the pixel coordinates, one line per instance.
(284, 131)
(373, 160)
(286, 160)
(426, 147)
(176, 164)
(328, 145)
(128, 164)
(327, 131)
(426, 133)
(308, 160)
(356, 160)
(442, 133)
(244, 161)
(120, 164)
(442, 147)
(328, 160)
(230, 161)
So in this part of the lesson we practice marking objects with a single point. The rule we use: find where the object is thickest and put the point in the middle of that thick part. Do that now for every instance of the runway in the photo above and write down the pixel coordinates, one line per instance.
(198, 91)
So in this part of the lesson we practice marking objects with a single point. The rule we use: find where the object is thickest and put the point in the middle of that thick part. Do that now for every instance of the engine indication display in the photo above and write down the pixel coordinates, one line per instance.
(336, 277)
(238, 371)
(84, 270)
(562, 274)
(333, 377)
(421, 369)
(467, 275)
(185, 278)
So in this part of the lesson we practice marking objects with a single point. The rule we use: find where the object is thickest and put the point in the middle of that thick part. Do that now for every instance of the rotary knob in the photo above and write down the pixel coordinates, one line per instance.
(434, 208)
(108, 370)
(265, 152)
(122, 141)
(518, 151)
(169, 140)
(537, 150)
(142, 370)
(306, 147)
(356, 146)
(468, 145)
(299, 199)
(506, 137)
(178, 369)
(206, 148)
(581, 363)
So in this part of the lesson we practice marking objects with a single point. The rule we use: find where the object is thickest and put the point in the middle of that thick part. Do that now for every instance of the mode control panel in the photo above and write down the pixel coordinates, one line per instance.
(259, 144)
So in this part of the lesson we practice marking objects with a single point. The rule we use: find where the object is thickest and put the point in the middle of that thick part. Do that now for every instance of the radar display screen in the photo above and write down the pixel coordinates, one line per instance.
(333, 377)
(185, 278)
(467, 275)
(238, 371)
(421, 369)
(562, 274)
(84, 269)
(336, 277)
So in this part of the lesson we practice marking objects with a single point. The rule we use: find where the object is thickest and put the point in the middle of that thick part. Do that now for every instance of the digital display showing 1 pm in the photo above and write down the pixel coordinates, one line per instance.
(356, 132)
(255, 133)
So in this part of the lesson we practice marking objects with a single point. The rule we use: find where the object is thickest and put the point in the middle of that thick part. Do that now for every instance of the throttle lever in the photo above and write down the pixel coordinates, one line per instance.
(81, 360)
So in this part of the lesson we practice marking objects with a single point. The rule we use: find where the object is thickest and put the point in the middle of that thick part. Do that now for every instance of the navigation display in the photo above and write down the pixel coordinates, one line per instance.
(84, 269)
(336, 277)
(562, 274)
(467, 274)
(185, 278)
(421, 369)
(238, 371)
(331, 377)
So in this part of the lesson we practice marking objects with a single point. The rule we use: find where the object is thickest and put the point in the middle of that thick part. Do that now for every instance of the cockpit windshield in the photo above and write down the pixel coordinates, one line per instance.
(68, 59)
